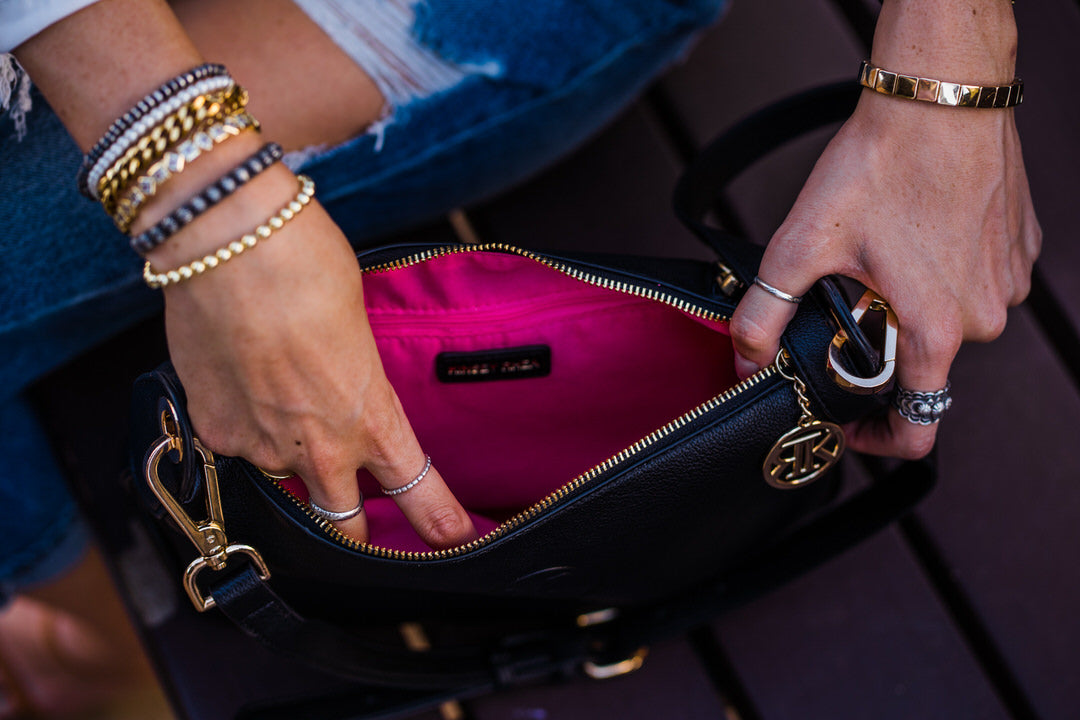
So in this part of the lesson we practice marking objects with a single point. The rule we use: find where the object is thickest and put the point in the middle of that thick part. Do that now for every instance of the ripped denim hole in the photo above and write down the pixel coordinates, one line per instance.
(14, 93)
(379, 36)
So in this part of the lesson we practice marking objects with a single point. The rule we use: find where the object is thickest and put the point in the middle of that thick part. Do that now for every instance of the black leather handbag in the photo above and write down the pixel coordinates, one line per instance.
(586, 411)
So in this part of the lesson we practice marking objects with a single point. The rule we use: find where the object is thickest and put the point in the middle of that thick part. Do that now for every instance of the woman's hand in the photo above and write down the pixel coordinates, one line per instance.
(929, 207)
(273, 348)
(926, 205)
(280, 366)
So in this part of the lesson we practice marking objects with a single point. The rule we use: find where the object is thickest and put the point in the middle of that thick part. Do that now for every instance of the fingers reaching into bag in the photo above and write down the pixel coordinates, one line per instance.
(404, 473)
(407, 474)
(281, 368)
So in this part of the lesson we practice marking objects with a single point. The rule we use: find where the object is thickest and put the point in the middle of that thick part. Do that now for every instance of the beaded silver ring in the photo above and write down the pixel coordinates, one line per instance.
(922, 408)
(412, 483)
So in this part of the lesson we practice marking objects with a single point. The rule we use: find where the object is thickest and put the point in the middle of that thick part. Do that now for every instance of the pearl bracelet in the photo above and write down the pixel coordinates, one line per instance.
(236, 247)
(181, 84)
(98, 161)
(153, 144)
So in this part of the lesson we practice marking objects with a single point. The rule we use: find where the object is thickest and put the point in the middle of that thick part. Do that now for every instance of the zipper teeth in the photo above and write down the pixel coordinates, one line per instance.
(606, 283)
(558, 495)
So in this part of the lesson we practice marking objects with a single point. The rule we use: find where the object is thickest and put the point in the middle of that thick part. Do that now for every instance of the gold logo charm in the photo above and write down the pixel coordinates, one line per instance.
(803, 454)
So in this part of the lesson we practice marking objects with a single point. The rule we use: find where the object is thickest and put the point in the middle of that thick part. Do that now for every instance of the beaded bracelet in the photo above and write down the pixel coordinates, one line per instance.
(236, 247)
(174, 161)
(97, 166)
(91, 171)
(181, 85)
(207, 198)
(152, 145)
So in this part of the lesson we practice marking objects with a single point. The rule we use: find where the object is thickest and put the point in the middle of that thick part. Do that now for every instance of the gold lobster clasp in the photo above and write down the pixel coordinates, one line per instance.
(869, 302)
(207, 535)
(623, 667)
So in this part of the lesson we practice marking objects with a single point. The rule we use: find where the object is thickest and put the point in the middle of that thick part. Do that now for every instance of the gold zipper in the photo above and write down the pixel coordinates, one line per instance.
(581, 480)
(606, 283)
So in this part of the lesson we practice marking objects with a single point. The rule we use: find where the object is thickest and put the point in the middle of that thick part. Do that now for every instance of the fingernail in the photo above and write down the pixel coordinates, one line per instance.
(744, 368)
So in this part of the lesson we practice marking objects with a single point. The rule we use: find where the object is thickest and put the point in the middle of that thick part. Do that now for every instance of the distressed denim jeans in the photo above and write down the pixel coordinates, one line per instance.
(527, 83)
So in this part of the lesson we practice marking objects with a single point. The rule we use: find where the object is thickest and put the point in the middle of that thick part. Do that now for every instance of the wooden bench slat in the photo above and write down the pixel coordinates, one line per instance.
(671, 684)
(1005, 513)
(861, 637)
(1048, 120)
(613, 195)
(759, 53)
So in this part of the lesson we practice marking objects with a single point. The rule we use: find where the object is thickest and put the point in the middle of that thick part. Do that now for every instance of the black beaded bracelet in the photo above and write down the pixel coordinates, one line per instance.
(141, 108)
(207, 198)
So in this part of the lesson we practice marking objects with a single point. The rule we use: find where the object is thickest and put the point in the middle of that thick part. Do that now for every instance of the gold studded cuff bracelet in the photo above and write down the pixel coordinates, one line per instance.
(940, 92)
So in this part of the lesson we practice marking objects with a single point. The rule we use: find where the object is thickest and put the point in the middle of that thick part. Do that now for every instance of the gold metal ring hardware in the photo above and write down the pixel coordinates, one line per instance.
(203, 603)
(275, 476)
(871, 302)
(623, 667)
(208, 536)
(725, 278)
(597, 617)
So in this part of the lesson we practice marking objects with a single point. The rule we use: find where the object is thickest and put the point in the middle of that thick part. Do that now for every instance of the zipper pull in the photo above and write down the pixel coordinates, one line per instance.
(805, 452)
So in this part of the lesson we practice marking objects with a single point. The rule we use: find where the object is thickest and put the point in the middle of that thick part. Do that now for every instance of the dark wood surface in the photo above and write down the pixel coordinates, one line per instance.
(965, 610)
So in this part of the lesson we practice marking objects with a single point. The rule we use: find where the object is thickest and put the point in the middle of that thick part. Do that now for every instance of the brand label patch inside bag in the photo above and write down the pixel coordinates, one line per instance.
(500, 364)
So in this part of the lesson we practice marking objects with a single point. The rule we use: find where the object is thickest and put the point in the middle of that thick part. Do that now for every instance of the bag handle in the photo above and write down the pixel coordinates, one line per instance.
(737, 149)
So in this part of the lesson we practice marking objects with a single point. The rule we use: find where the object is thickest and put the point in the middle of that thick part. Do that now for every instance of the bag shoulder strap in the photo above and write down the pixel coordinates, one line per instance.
(736, 150)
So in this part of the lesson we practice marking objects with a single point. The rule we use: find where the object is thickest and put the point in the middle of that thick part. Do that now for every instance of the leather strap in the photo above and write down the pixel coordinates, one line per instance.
(740, 147)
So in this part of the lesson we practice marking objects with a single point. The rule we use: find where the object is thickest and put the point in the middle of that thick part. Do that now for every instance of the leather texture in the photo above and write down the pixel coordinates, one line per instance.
(657, 524)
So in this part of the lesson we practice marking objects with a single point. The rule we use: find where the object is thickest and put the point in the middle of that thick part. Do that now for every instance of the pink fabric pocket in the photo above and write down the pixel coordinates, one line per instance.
(621, 367)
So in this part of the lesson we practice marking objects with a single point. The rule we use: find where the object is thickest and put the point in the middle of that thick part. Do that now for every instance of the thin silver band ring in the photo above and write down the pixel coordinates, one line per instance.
(337, 516)
(412, 483)
(777, 292)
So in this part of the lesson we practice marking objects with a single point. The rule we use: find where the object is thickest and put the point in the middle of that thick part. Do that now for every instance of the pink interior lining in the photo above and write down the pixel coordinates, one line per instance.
(621, 367)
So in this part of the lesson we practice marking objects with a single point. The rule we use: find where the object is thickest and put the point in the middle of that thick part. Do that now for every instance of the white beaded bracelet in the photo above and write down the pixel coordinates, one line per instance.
(149, 102)
(236, 247)
(147, 123)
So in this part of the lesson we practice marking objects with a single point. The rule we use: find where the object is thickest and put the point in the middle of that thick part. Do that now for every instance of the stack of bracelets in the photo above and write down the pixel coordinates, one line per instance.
(156, 140)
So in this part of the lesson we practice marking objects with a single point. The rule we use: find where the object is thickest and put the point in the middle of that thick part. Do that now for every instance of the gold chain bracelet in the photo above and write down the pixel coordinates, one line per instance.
(236, 247)
(171, 130)
(173, 162)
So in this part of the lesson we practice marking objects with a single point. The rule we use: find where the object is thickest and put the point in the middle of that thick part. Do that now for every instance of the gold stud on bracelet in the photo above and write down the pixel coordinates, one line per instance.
(940, 92)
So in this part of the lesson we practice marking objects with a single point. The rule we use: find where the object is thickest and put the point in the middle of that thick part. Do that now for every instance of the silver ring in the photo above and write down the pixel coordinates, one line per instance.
(412, 483)
(922, 408)
(777, 292)
(337, 516)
